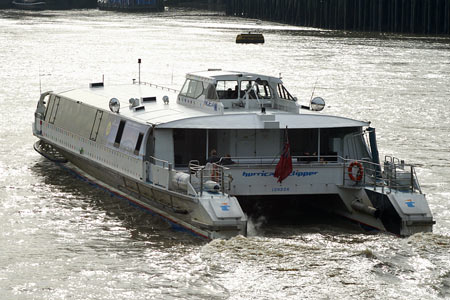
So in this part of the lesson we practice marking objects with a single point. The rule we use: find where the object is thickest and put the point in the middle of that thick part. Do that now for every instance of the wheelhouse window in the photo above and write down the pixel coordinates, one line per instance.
(259, 88)
(283, 93)
(210, 91)
(192, 88)
(227, 89)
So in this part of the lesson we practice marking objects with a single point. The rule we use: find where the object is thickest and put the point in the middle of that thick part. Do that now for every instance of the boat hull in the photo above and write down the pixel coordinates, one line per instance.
(177, 209)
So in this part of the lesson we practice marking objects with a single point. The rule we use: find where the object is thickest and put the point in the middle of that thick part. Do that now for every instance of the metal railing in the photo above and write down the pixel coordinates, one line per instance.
(156, 86)
(296, 160)
(203, 177)
(160, 162)
(393, 175)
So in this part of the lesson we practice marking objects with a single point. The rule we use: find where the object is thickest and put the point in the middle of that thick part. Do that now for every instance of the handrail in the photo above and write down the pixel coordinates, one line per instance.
(157, 86)
(216, 174)
(162, 162)
(392, 175)
(270, 160)
(413, 170)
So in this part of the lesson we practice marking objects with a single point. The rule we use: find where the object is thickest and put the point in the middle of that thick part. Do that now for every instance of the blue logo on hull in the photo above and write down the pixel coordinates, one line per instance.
(410, 203)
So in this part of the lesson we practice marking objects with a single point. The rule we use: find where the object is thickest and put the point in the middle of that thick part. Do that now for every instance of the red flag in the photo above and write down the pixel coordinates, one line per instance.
(284, 166)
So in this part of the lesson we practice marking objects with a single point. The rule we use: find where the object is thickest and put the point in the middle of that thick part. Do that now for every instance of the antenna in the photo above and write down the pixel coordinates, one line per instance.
(139, 63)
(314, 88)
(40, 81)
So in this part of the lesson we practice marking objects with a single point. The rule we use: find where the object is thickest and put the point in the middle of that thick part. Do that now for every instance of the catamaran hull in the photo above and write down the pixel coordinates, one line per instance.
(372, 209)
(176, 209)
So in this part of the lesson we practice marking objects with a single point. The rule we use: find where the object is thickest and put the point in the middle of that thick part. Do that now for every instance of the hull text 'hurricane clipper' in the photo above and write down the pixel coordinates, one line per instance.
(202, 156)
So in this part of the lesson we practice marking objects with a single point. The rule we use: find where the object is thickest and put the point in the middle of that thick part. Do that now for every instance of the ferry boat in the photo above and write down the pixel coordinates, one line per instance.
(133, 5)
(270, 154)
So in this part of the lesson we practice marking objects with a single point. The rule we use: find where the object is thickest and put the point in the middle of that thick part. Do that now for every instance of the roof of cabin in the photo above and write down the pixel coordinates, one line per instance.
(217, 74)
(260, 121)
(174, 115)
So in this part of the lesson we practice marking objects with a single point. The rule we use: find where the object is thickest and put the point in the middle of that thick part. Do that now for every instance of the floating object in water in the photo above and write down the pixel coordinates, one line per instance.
(250, 38)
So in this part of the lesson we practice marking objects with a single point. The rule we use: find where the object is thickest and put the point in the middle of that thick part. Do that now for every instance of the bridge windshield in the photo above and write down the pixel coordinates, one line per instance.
(259, 88)
(198, 90)
(233, 89)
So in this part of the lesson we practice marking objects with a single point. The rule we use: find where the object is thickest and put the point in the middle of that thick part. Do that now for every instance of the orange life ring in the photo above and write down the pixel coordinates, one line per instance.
(360, 171)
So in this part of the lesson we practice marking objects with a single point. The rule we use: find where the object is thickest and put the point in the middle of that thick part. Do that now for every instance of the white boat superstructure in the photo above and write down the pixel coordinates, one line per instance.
(152, 145)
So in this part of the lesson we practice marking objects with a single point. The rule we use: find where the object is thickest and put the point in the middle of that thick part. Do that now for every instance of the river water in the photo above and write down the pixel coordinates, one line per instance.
(61, 238)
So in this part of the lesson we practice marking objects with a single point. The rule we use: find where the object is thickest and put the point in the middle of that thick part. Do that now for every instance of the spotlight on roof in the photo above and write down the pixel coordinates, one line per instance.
(114, 105)
(317, 104)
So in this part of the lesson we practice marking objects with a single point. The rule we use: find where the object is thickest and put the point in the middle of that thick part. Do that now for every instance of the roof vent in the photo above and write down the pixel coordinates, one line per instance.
(96, 84)
(148, 99)
(138, 108)
(134, 102)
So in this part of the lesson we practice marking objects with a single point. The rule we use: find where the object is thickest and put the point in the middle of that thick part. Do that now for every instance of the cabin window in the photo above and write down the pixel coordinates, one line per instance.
(138, 143)
(185, 87)
(210, 92)
(227, 89)
(192, 88)
(283, 93)
(54, 109)
(49, 104)
(119, 133)
(260, 87)
(96, 125)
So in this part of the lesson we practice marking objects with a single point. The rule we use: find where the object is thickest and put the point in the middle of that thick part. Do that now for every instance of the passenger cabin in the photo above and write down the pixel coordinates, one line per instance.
(250, 115)
(242, 115)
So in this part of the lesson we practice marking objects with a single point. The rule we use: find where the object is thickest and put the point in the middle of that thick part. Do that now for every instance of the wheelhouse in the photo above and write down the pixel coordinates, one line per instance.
(233, 89)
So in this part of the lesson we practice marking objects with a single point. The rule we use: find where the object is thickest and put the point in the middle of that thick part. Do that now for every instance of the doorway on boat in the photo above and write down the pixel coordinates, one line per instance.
(319, 144)
(189, 144)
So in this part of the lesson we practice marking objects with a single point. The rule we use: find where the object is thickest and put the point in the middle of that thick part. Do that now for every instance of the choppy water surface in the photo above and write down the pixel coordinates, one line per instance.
(61, 238)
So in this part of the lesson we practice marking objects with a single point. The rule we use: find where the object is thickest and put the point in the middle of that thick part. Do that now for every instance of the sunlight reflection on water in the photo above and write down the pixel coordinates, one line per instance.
(63, 239)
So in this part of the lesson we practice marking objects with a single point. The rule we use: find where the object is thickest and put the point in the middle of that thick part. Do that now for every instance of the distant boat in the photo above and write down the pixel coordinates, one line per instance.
(250, 38)
(131, 5)
(5, 4)
(30, 4)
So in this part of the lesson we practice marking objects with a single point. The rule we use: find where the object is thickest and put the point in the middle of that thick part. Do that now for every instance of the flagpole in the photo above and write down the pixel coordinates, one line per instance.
(207, 144)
